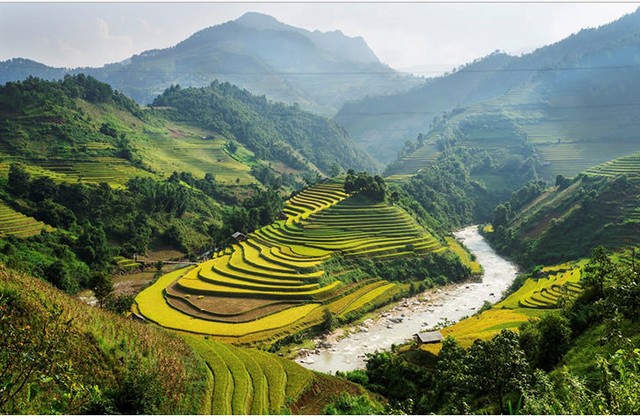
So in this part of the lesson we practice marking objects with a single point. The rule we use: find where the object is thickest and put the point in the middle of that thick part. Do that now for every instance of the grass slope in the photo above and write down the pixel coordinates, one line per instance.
(103, 351)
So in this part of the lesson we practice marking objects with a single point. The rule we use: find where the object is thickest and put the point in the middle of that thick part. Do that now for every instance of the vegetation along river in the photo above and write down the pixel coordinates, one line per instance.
(415, 314)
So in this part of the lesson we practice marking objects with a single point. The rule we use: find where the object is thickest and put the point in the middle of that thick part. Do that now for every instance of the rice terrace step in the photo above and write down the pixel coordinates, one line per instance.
(273, 283)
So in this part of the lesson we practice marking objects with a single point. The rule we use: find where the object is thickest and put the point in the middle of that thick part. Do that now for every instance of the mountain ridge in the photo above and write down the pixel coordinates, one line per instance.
(317, 70)
(557, 59)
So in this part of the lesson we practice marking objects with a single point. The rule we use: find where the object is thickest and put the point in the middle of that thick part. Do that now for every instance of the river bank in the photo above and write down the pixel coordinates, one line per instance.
(346, 348)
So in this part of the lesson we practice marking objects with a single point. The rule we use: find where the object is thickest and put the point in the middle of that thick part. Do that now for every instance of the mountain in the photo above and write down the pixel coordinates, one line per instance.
(382, 124)
(573, 100)
(320, 71)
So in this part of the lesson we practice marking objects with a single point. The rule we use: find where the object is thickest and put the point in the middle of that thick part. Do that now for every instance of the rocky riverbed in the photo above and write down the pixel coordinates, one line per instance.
(346, 348)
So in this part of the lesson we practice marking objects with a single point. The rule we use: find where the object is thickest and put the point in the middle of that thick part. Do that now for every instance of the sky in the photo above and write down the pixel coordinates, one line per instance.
(423, 38)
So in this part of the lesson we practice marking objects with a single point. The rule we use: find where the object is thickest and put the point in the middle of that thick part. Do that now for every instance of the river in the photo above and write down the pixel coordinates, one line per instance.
(412, 315)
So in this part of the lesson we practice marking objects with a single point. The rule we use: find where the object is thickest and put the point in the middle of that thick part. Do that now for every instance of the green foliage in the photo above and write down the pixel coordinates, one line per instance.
(615, 392)
(329, 320)
(432, 268)
(347, 404)
(358, 376)
(119, 304)
(102, 286)
(498, 366)
(397, 379)
(545, 341)
(271, 130)
(366, 185)
(18, 180)
(33, 356)
(454, 378)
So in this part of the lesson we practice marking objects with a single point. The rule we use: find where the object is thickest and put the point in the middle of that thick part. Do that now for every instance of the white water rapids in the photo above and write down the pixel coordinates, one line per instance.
(412, 315)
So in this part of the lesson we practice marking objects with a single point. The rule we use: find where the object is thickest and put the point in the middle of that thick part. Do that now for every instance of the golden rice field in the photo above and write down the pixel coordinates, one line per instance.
(273, 283)
(16, 223)
(113, 171)
(465, 256)
(533, 299)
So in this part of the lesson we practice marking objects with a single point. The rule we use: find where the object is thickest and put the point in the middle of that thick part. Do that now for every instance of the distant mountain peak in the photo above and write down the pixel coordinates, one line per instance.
(261, 21)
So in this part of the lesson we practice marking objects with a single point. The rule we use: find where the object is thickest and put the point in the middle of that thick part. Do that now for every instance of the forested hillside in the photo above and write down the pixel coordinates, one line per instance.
(273, 131)
(107, 178)
(567, 221)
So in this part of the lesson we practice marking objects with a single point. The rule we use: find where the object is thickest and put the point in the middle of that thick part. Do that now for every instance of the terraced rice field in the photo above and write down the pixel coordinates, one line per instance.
(113, 171)
(125, 263)
(570, 159)
(417, 161)
(186, 148)
(546, 293)
(17, 224)
(273, 283)
(627, 165)
(533, 299)
(250, 381)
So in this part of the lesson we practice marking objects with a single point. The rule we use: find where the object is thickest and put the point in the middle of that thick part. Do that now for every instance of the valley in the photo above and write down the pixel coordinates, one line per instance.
(259, 219)
(398, 323)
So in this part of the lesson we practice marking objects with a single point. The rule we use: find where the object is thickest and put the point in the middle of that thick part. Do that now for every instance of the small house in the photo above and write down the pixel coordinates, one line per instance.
(429, 337)
(239, 236)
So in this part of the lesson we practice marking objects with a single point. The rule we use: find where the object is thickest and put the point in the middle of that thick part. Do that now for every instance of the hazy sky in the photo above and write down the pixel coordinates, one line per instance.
(429, 36)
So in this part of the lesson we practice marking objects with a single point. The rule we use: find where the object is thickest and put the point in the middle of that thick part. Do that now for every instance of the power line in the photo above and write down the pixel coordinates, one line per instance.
(463, 70)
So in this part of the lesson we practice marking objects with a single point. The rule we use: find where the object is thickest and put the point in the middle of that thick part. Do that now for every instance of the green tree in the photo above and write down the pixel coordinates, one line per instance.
(18, 180)
(329, 321)
(92, 246)
(498, 366)
(102, 286)
(597, 271)
(555, 339)
(452, 378)
(501, 215)
(32, 355)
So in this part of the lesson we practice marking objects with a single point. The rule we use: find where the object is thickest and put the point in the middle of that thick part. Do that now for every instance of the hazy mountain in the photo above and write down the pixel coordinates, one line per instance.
(17, 69)
(573, 103)
(382, 124)
(320, 71)
(583, 69)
